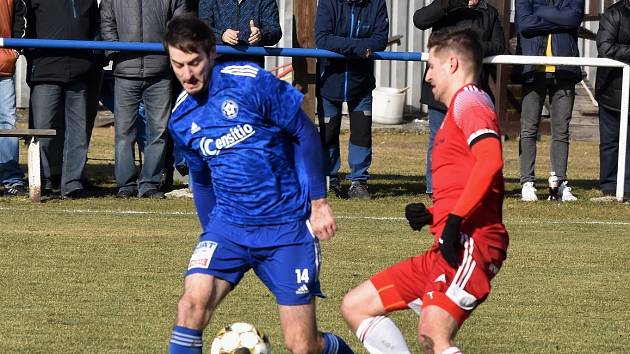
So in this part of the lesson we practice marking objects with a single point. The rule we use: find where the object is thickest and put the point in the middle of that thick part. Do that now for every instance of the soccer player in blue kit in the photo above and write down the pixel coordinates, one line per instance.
(259, 189)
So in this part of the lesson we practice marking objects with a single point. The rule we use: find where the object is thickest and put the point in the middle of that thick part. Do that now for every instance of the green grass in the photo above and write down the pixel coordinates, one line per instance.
(89, 276)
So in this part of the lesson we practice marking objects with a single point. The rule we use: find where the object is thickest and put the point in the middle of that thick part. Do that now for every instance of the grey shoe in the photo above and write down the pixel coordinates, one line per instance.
(359, 190)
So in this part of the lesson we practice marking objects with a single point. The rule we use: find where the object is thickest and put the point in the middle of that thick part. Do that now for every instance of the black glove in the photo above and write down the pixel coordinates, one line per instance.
(418, 216)
(450, 240)
(451, 5)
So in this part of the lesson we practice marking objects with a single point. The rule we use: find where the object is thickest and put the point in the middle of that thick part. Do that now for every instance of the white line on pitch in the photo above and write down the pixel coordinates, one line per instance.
(346, 217)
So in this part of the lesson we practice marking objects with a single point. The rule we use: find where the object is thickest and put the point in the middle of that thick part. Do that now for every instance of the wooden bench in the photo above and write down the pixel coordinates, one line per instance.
(34, 174)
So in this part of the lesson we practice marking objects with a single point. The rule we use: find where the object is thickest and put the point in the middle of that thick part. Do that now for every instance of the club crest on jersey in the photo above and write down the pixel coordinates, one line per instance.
(229, 109)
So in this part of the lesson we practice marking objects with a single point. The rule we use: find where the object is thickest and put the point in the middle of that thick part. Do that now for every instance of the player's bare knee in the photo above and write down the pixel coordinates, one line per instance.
(191, 307)
(350, 305)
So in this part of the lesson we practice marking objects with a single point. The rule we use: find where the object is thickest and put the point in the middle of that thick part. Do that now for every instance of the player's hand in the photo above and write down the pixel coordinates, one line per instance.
(230, 36)
(255, 35)
(322, 219)
(450, 240)
(418, 215)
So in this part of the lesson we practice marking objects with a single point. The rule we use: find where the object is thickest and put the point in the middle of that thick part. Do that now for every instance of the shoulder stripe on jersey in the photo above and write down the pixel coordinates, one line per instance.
(181, 98)
(479, 133)
(240, 70)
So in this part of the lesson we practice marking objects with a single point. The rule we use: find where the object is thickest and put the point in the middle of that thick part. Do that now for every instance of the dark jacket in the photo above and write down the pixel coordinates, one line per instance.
(613, 42)
(61, 19)
(350, 28)
(138, 21)
(535, 20)
(229, 14)
(484, 18)
(12, 24)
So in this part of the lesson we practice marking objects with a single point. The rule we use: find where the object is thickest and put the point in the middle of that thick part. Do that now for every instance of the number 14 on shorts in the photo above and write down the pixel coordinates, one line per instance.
(301, 275)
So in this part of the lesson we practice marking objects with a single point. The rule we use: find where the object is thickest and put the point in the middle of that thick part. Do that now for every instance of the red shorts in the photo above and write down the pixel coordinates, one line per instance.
(427, 279)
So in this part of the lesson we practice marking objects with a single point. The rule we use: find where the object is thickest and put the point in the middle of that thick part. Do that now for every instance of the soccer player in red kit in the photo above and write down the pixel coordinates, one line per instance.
(447, 282)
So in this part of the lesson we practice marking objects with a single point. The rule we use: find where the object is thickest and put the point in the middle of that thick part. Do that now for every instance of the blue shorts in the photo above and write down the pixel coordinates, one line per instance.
(285, 257)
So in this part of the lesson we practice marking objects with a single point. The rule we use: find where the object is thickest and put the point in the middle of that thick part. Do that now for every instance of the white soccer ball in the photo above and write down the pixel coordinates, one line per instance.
(240, 338)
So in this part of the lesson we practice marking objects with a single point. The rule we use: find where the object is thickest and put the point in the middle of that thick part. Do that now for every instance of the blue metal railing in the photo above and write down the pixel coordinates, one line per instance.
(221, 49)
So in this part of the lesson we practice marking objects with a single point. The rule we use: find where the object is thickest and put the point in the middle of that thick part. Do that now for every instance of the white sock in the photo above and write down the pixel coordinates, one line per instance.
(452, 350)
(380, 335)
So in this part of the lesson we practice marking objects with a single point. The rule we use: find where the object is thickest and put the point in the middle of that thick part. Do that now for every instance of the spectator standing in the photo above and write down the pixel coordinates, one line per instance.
(613, 41)
(447, 15)
(12, 24)
(355, 28)
(140, 76)
(547, 28)
(243, 22)
(59, 88)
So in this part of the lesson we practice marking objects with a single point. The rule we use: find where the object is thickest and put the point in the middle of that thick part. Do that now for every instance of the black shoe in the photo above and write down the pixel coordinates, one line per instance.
(75, 194)
(125, 194)
(153, 194)
(359, 190)
(15, 190)
(335, 189)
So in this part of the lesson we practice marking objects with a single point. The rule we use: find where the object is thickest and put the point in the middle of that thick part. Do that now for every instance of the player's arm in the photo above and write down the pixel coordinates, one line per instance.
(486, 149)
(200, 181)
(308, 149)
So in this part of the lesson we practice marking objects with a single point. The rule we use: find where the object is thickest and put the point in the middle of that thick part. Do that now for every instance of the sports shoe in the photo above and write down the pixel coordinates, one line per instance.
(605, 198)
(15, 190)
(565, 192)
(359, 190)
(528, 192)
(153, 194)
(335, 189)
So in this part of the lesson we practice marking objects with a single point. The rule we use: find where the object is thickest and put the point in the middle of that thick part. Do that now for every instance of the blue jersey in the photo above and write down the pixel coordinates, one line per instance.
(243, 132)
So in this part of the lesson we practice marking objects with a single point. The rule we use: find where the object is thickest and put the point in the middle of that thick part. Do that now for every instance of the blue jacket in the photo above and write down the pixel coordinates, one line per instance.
(229, 14)
(349, 27)
(536, 19)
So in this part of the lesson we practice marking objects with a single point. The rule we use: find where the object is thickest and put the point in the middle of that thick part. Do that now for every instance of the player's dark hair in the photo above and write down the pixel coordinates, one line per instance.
(464, 42)
(189, 34)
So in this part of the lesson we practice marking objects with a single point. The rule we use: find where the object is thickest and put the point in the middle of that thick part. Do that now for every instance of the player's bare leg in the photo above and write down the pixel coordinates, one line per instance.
(436, 331)
(364, 312)
(202, 295)
(299, 327)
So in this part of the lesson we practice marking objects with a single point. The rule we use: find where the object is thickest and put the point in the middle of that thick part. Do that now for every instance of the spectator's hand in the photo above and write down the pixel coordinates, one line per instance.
(255, 35)
(418, 216)
(322, 219)
(450, 240)
(230, 36)
(367, 54)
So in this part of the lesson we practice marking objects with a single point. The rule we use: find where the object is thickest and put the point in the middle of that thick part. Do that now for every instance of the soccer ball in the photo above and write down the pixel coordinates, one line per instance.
(240, 338)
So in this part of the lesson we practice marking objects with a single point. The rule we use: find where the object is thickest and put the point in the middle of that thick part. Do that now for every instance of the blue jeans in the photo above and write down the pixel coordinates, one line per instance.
(436, 117)
(360, 144)
(10, 171)
(156, 94)
(56, 105)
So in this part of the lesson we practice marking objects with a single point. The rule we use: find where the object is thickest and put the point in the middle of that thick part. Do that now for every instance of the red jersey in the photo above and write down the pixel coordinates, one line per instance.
(470, 116)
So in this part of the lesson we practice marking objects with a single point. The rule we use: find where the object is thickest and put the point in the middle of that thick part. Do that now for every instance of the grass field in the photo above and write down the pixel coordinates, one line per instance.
(103, 275)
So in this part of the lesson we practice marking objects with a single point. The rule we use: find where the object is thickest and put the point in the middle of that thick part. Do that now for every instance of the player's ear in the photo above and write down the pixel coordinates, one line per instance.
(454, 63)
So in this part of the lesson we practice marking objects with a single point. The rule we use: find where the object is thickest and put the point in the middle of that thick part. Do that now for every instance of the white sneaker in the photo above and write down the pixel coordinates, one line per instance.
(528, 192)
(565, 192)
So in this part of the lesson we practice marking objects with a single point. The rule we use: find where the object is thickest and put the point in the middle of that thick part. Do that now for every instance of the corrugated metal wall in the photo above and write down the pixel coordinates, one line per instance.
(398, 74)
